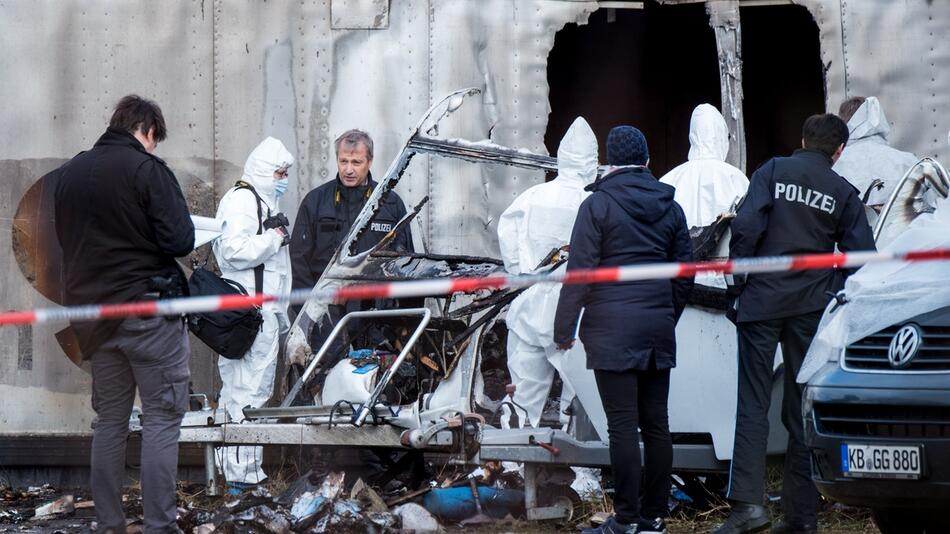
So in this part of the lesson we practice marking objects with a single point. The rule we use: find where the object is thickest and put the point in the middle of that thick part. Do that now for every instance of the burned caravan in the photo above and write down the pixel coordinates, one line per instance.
(433, 376)
(227, 74)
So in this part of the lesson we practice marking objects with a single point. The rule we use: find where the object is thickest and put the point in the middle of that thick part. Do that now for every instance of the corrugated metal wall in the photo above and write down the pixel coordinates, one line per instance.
(228, 73)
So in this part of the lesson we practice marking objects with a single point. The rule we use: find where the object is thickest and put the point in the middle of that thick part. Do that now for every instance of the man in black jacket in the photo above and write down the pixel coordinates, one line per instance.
(628, 328)
(327, 214)
(795, 205)
(121, 220)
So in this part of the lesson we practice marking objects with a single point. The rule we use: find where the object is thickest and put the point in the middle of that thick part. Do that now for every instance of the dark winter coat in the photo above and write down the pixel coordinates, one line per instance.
(796, 205)
(324, 219)
(121, 219)
(629, 219)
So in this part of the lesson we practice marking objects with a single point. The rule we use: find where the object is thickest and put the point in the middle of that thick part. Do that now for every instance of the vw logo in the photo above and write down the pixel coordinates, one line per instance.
(904, 346)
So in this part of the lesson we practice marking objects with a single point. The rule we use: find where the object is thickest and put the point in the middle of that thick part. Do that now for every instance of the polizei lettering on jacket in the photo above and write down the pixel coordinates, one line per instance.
(803, 195)
(381, 227)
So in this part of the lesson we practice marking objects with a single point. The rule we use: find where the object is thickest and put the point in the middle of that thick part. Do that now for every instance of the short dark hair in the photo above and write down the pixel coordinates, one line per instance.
(134, 113)
(824, 133)
(849, 107)
(352, 139)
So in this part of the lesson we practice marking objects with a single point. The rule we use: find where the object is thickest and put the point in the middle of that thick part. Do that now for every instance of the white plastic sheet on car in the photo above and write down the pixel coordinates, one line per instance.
(880, 295)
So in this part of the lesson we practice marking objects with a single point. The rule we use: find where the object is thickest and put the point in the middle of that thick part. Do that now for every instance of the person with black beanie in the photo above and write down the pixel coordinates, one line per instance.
(628, 328)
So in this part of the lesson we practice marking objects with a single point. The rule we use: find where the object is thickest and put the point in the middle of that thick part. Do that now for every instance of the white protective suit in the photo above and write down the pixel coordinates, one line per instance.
(250, 380)
(867, 157)
(706, 374)
(706, 186)
(539, 220)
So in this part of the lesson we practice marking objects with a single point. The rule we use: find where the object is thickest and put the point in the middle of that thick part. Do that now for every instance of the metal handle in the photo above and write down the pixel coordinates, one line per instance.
(387, 376)
(312, 367)
(205, 403)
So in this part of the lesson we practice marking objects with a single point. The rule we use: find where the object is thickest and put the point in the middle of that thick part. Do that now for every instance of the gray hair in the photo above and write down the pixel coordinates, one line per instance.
(352, 138)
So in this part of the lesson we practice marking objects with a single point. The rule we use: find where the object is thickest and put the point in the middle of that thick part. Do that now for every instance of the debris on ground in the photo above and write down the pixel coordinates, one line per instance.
(63, 505)
(415, 519)
(367, 497)
(325, 502)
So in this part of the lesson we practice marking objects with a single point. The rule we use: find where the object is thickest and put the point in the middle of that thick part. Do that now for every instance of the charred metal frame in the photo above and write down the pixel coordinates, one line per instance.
(437, 428)
(939, 183)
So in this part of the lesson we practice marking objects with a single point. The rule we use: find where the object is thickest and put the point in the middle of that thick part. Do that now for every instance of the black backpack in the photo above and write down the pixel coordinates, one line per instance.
(229, 333)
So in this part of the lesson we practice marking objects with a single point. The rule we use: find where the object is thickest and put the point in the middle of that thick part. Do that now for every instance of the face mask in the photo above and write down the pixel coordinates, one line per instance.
(280, 186)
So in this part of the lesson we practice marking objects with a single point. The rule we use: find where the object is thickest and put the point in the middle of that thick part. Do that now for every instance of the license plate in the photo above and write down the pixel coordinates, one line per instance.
(880, 461)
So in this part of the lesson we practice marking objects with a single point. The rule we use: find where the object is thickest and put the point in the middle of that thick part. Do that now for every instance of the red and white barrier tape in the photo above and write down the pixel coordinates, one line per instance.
(447, 286)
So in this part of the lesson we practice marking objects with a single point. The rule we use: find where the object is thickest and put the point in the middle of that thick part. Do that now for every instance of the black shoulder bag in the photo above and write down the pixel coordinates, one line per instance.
(229, 333)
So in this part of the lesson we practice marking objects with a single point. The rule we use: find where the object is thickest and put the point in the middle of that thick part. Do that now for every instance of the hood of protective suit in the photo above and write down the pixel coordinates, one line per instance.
(868, 121)
(635, 189)
(708, 134)
(577, 154)
(259, 168)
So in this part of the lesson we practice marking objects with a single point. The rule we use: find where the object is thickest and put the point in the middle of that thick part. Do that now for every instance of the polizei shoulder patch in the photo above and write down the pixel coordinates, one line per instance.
(803, 195)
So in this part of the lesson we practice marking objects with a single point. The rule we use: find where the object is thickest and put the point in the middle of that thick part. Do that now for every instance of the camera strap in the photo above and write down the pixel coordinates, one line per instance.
(259, 270)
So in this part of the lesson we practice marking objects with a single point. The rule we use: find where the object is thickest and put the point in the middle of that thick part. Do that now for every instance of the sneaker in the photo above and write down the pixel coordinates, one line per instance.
(651, 526)
(612, 526)
(642, 526)
(745, 519)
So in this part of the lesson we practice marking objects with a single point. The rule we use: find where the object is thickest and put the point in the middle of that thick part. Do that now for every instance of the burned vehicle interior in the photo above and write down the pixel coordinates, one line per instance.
(461, 330)
(427, 374)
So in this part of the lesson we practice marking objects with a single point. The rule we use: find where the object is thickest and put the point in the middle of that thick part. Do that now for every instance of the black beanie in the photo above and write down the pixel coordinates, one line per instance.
(626, 145)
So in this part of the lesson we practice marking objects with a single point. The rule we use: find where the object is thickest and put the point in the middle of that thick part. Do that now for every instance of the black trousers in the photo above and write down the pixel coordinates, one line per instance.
(635, 399)
(757, 343)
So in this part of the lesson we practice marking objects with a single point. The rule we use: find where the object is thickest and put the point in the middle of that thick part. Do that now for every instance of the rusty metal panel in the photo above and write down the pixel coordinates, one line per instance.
(898, 51)
(359, 14)
(70, 62)
(895, 51)
(724, 19)
(228, 73)
(500, 46)
(297, 79)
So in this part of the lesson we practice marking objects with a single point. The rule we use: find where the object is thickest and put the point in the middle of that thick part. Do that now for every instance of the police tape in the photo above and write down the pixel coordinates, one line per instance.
(448, 286)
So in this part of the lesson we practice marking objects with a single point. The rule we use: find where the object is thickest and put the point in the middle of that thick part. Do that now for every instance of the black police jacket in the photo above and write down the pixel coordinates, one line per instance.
(324, 219)
(796, 205)
(629, 219)
(121, 219)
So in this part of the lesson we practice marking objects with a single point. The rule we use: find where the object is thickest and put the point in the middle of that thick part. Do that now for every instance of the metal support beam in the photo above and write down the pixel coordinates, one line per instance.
(294, 434)
(482, 152)
(211, 471)
(516, 446)
(533, 511)
(313, 414)
(724, 20)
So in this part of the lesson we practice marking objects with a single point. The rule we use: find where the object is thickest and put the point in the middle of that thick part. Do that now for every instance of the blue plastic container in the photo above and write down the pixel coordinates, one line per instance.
(456, 504)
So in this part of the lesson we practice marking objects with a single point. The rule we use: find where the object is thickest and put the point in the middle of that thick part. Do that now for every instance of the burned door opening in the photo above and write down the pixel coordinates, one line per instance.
(645, 67)
(782, 79)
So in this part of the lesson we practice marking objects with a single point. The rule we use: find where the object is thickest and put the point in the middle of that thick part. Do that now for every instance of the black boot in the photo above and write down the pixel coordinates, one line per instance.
(794, 528)
(745, 518)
